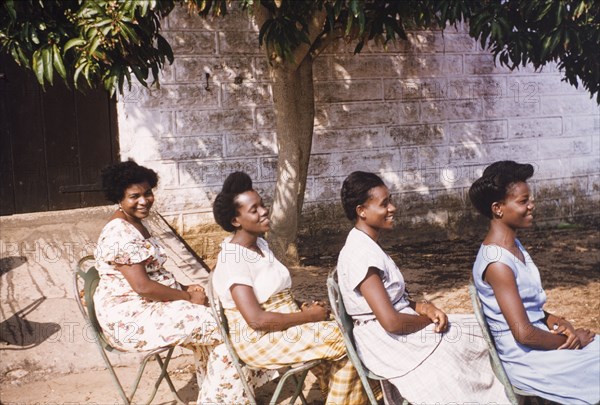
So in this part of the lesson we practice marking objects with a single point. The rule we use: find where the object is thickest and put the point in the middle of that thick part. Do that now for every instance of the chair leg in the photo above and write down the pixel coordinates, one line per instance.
(297, 391)
(114, 376)
(165, 374)
(138, 378)
(299, 387)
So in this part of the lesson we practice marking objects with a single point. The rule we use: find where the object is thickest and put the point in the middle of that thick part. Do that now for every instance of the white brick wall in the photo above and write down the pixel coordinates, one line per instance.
(428, 115)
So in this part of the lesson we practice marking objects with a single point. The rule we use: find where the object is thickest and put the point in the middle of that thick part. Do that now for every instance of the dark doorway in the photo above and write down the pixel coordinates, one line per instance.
(53, 143)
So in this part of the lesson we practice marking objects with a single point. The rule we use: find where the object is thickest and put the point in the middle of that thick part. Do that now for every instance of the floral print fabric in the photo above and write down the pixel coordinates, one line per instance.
(131, 322)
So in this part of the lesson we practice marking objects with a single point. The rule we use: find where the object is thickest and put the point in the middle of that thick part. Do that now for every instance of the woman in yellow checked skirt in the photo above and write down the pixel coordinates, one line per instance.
(268, 328)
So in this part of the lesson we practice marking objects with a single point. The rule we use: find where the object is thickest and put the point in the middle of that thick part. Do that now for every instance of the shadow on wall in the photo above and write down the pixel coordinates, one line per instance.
(23, 334)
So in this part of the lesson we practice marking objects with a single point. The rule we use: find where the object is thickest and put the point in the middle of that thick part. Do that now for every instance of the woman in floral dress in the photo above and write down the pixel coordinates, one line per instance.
(140, 305)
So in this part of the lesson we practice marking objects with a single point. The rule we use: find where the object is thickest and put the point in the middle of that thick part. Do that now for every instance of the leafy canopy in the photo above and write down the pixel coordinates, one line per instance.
(105, 41)
(99, 41)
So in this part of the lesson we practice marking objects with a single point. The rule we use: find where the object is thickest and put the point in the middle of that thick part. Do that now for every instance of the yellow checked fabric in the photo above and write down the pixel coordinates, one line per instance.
(338, 379)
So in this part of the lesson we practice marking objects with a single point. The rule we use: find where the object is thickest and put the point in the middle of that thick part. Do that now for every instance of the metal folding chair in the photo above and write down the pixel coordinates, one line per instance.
(286, 372)
(86, 279)
(346, 325)
(513, 393)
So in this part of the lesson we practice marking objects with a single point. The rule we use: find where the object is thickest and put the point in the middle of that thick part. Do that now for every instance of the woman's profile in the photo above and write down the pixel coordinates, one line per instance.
(542, 353)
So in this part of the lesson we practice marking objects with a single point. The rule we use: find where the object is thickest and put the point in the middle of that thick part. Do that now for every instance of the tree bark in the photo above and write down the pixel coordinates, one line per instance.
(293, 98)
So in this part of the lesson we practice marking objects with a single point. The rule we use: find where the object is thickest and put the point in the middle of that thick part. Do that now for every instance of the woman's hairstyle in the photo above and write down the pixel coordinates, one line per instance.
(225, 206)
(355, 191)
(117, 177)
(494, 183)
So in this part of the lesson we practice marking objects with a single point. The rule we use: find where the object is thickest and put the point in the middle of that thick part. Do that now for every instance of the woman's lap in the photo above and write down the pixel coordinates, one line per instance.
(145, 325)
(564, 376)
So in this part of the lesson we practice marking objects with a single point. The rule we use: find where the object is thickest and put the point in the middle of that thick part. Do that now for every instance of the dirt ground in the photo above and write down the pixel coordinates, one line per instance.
(568, 259)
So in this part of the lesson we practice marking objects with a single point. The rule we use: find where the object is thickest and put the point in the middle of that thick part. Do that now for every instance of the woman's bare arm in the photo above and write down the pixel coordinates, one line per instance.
(137, 278)
(266, 321)
(392, 321)
(502, 280)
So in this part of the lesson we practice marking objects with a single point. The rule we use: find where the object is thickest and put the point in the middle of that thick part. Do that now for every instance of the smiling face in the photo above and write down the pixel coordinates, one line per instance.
(137, 201)
(378, 211)
(252, 215)
(516, 210)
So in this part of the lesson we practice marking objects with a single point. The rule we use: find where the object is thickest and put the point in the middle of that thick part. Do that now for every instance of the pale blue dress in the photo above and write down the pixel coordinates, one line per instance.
(563, 376)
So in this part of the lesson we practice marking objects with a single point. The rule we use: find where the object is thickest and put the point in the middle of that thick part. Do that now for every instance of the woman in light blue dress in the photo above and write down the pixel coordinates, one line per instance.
(542, 353)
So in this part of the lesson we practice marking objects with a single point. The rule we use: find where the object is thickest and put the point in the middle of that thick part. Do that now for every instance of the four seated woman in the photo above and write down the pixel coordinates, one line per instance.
(415, 345)
(541, 352)
(268, 328)
(140, 305)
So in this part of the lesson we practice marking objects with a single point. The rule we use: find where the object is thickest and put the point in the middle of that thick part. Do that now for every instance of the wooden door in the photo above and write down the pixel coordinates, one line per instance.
(53, 143)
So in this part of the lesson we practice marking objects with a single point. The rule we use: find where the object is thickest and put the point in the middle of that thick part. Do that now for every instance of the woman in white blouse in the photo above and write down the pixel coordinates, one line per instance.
(268, 328)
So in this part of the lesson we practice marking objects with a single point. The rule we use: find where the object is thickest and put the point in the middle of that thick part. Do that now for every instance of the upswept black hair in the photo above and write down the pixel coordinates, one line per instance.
(495, 182)
(225, 207)
(355, 191)
(118, 176)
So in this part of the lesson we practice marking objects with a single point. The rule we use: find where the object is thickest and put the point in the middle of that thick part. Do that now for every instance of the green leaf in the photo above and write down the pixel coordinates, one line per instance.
(24, 60)
(354, 7)
(95, 43)
(264, 31)
(337, 8)
(47, 61)
(581, 8)
(73, 42)
(348, 25)
(78, 72)
(102, 23)
(560, 11)
(9, 5)
(165, 48)
(128, 34)
(34, 36)
(58, 62)
(139, 75)
(545, 11)
(38, 66)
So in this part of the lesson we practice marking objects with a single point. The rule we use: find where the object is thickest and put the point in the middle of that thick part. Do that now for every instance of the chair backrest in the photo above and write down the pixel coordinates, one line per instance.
(489, 339)
(90, 278)
(346, 325)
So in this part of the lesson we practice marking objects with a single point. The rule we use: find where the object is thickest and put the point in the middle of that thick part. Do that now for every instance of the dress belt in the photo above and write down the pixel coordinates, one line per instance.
(358, 322)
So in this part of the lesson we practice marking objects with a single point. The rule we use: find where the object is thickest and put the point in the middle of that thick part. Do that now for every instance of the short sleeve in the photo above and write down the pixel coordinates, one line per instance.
(121, 243)
(234, 272)
(359, 262)
(489, 254)
(231, 268)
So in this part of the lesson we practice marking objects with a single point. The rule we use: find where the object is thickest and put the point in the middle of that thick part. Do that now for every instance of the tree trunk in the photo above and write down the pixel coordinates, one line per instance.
(293, 97)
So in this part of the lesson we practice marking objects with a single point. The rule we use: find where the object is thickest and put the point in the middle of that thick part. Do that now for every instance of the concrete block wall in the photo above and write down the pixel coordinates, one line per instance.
(427, 115)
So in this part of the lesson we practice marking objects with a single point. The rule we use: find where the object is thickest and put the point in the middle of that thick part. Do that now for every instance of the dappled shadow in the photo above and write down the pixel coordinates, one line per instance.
(11, 262)
(18, 333)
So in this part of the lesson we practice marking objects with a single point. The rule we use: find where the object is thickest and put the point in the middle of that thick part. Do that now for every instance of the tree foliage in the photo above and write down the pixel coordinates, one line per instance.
(519, 32)
(106, 41)
(86, 41)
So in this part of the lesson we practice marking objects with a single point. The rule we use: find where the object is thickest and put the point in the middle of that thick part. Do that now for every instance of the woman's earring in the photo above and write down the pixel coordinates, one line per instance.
(499, 214)
(120, 208)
